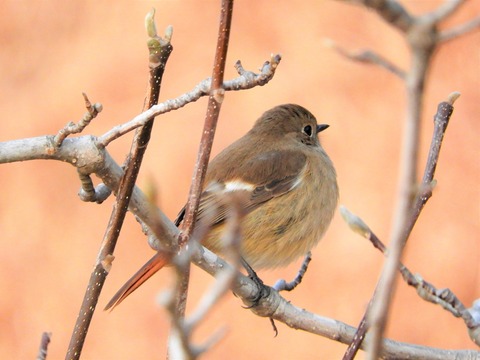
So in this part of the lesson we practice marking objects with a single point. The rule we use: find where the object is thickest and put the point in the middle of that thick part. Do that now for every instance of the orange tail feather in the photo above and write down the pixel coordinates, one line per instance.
(158, 261)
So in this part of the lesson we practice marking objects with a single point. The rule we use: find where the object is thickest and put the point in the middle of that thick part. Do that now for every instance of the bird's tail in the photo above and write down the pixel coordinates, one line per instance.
(158, 261)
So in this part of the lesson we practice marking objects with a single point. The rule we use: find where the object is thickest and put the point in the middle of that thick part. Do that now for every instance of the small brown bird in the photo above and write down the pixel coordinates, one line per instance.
(288, 188)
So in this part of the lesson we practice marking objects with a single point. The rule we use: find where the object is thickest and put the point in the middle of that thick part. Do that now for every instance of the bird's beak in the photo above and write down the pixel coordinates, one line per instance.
(321, 127)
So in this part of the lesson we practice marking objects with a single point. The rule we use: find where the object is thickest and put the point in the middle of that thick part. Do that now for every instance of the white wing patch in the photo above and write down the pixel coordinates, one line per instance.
(237, 185)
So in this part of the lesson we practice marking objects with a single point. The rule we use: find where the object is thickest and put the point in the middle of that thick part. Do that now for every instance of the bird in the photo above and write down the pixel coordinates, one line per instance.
(287, 189)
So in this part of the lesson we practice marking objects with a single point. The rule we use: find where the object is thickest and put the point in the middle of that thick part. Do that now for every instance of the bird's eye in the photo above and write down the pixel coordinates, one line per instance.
(308, 130)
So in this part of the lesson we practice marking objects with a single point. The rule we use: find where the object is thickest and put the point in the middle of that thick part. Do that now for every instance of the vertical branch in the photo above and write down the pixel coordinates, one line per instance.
(423, 38)
(214, 104)
(213, 110)
(415, 83)
(159, 52)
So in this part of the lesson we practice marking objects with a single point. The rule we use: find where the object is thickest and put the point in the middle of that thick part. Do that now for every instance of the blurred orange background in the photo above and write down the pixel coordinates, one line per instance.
(52, 51)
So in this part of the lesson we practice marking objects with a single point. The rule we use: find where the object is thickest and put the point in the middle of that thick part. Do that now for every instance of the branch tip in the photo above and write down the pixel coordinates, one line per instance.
(168, 33)
(150, 23)
(453, 97)
(329, 43)
(355, 223)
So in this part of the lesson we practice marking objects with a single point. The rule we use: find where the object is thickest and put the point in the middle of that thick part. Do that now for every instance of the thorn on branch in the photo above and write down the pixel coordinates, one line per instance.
(72, 128)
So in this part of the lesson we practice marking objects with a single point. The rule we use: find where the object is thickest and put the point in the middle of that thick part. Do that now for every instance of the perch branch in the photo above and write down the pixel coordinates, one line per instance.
(275, 306)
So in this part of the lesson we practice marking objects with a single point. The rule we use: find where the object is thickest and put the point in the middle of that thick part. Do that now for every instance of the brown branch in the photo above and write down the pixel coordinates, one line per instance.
(159, 53)
(213, 110)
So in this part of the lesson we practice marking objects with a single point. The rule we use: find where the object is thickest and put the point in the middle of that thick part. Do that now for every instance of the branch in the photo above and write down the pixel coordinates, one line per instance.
(245, 81)
(443, 297)
(378, 313)
(89, 155)
(43, 350)
(98, 161)
(275, 306)
(182, 329)
(421, 34)
(72, 128)
(459, 30)
(391, 11)
(215, 100)
(445, 10)
(160, 50)
(368, 57)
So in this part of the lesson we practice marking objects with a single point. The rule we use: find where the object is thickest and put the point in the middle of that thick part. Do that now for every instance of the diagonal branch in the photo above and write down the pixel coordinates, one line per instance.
(378, 314)
(459, 30)
(368, 57)
(391, 11)
(159, 54)
(246, 80)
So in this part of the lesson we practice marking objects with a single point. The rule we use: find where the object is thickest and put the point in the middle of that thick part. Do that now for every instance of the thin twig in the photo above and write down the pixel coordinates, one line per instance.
(368, 57)
(422, 37)
(246, 80)
(182, 331)
(443, 297)
(445, 10)
(72, 128)
(459, 30)
(43, 350)
(377, 315)
(216, 95)
(158, 57)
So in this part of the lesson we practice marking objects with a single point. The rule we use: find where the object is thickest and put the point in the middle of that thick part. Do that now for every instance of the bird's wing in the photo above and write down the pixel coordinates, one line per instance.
(264, 177)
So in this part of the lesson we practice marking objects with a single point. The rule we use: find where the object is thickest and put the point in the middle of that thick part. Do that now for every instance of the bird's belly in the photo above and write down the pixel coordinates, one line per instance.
(283, 229)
